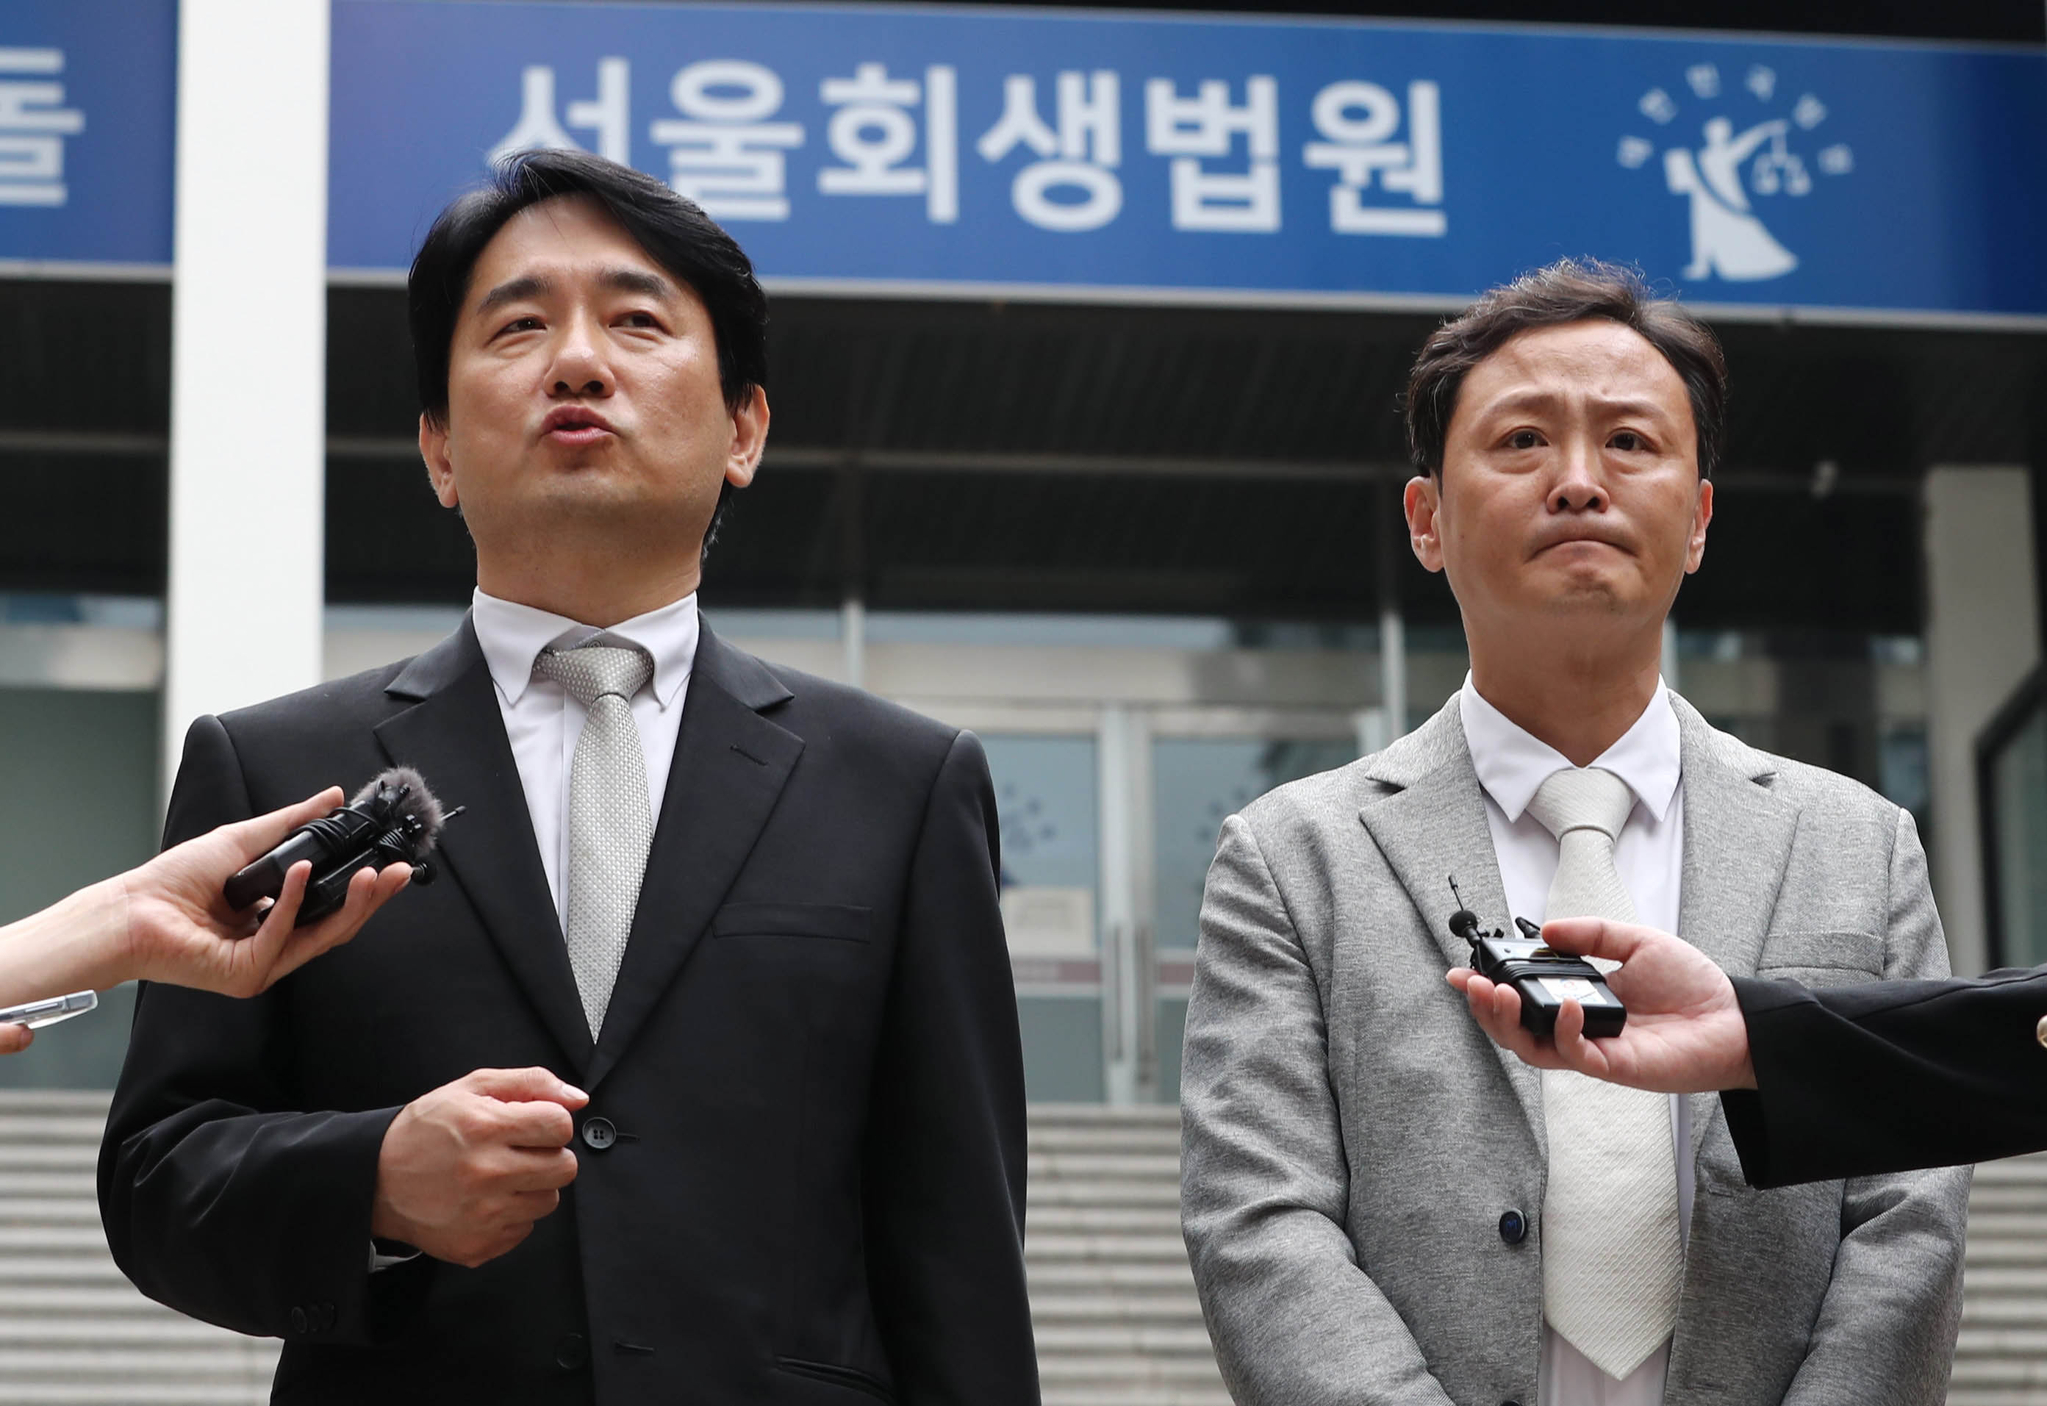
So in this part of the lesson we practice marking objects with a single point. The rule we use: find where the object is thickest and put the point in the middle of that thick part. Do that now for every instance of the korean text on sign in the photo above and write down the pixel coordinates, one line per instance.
(873, 134)
(1356, 121)
(33, 125)
(1212, 188)
(1073, 185)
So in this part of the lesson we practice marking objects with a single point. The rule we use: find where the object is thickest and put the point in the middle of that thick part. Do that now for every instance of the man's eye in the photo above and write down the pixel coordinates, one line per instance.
(640, 319)
(521, 324)
(1628, 441)
(1524, 439)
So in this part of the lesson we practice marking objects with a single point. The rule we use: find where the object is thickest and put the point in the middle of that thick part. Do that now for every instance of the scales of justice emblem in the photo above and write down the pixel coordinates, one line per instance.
(1736, 163)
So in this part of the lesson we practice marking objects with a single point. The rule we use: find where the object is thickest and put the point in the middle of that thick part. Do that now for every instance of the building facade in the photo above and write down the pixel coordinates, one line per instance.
(1089, 329)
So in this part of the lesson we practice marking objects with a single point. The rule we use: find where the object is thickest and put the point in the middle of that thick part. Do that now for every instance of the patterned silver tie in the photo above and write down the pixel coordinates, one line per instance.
(1612, 1255)
(611, 824)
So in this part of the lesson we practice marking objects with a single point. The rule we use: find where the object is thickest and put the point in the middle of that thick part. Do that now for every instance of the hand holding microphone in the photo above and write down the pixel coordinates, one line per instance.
(182, 926)
(170, 920)
(392, 821)
(1685, 1032)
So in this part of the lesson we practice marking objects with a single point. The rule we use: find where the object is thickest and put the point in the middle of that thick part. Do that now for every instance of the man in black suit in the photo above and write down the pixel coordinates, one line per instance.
(1849, 1081)
(718, 942)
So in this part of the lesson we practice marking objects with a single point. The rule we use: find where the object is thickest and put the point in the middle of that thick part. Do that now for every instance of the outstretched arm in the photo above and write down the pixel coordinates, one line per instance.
(166, 921)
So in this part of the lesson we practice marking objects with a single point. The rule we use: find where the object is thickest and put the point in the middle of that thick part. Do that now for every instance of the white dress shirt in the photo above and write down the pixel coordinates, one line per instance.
(1511, 765)
(543, 723)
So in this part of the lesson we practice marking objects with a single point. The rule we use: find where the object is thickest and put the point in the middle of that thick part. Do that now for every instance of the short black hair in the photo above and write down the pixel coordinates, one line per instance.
(1569, 290)
(675, 233)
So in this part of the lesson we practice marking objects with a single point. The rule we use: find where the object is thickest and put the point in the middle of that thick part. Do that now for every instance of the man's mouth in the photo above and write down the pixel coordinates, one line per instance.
(1580, 539)
(573, 425)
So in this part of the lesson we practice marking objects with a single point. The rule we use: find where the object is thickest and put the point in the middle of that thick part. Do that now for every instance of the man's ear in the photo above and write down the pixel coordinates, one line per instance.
(1702, 516)
(749, 439)
(1423, 500)
(440, 469)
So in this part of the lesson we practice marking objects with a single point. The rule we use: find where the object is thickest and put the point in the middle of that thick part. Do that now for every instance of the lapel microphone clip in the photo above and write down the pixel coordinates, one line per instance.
(393, 820)
(1543, 977)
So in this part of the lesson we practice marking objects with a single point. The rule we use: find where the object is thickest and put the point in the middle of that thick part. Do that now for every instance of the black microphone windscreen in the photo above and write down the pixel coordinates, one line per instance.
(417, 801)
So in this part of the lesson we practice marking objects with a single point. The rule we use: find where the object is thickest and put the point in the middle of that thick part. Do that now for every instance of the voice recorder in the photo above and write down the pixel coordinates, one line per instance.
(1543, 977)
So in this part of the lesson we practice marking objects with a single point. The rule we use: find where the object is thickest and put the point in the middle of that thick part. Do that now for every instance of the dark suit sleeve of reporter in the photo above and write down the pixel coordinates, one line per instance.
(945, 1143)
(1890, 1076)
(218, 1198)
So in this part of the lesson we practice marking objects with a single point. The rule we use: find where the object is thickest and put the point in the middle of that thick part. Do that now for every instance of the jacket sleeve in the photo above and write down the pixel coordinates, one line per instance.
(220, 1197)
(946, 1141)
(1889, 1076)
(1264, 1182)
(1886, 1328)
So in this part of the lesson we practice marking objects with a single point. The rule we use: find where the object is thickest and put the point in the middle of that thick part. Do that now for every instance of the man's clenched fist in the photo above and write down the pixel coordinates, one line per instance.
(466, 1170)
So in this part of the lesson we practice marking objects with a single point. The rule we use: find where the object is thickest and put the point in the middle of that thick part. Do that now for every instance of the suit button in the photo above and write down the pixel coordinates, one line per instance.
(2040, 1030)
(1513, 1230)
(571, 1352)
(599, 1133)
(298, 1320)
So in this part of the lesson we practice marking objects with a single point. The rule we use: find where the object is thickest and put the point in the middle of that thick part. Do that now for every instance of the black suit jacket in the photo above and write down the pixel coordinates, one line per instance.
(1890, 1076)
(811, 1063)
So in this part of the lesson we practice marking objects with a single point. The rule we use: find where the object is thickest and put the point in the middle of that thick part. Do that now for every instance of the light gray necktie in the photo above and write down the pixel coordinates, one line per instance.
(1612, 1255)
(611, 824)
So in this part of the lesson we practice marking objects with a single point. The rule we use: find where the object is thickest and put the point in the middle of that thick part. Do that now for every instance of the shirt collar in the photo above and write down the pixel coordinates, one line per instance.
(512, 636)
(1512, 763)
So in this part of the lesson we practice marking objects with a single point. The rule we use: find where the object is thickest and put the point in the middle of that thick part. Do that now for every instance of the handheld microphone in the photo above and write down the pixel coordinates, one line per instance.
(393, 820)
(1543, 977)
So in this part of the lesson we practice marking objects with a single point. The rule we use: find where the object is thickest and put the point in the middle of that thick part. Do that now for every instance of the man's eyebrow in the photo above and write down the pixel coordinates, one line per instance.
(625, 280)
(513, 290)
(1546, 400)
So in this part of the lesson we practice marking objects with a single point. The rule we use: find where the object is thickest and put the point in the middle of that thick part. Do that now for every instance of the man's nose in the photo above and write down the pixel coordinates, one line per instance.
(1580, 484)
(579, 364)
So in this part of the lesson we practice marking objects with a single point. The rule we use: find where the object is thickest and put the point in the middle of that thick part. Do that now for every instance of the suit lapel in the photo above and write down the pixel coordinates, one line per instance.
(730, 767)
(455, 736)
(1737, 844)
(1432, 827)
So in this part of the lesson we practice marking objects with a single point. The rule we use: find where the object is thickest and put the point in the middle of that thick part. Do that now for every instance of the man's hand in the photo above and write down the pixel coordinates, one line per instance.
(466, 1170)
(14, 1038)
(174, 926)
(1685, 1032)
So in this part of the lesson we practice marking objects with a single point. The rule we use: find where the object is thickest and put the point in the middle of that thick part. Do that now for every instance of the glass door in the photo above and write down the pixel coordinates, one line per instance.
(1109, 817)
(1206, 766)
(1047, 793)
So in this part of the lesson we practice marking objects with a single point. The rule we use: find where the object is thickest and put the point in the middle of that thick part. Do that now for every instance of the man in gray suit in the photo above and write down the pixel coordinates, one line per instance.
(1381, 1206)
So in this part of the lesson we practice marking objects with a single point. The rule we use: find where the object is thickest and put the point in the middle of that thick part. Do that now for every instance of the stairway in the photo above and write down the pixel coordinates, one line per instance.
(72, 1329)
(1112, 1299)
(2001, 1358)
(1111, 1296)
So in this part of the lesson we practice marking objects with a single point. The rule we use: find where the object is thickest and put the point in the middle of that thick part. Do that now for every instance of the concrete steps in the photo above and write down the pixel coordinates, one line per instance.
(2001, 1357)
(72, 1329)
(1112, 1299)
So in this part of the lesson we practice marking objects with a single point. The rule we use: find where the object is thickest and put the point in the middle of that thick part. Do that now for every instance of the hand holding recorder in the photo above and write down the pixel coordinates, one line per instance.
(1684, 1033)
(169, 921)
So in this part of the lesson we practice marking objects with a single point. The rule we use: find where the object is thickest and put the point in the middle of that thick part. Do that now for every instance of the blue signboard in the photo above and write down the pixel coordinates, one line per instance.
(86, 108)
(1106, 154)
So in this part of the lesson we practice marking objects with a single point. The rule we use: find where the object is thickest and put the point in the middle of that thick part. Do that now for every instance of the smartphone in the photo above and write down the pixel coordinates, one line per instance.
(36, 1014)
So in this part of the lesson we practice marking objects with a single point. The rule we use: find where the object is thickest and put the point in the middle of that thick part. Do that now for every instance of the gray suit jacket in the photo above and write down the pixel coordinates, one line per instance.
(1352, 1139)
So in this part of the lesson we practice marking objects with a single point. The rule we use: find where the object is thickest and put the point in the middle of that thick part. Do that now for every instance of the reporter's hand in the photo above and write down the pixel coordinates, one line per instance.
(1684, 1034)
(14, 1038)
(177, 928)
(466, 1170)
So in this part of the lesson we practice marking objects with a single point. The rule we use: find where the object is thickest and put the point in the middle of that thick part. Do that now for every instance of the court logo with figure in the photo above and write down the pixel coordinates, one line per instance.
(1749, 152)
